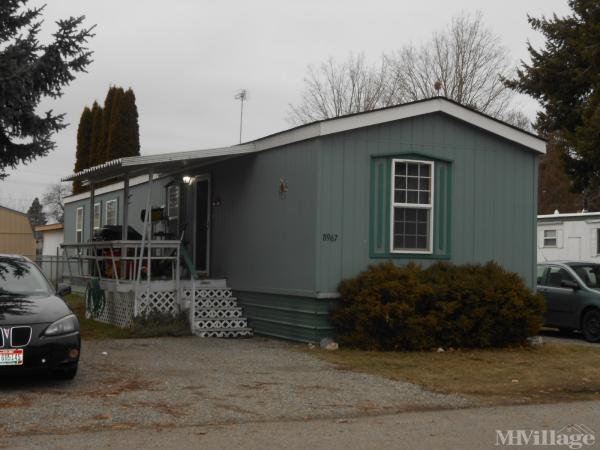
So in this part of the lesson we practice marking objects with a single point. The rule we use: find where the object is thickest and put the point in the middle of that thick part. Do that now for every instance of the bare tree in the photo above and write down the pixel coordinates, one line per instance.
(337, 88)
(54, 201)
(466, 62)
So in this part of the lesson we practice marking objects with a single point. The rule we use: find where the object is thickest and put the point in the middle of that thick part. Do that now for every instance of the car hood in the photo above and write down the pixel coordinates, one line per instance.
(30, 309)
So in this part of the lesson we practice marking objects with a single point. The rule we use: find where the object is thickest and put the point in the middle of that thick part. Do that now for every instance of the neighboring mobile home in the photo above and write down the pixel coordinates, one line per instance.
(573, 237)
(52, 238)
(16, 234)
(283, 219)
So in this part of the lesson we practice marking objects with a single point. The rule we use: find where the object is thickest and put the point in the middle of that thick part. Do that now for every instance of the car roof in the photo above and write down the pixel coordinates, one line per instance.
(6, 256)
(564, 262)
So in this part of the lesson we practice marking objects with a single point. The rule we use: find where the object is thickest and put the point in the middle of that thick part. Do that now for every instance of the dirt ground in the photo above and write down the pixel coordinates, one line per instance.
(165, 383)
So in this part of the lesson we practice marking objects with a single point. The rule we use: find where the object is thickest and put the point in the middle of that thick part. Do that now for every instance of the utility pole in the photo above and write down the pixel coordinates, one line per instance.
(242, 95)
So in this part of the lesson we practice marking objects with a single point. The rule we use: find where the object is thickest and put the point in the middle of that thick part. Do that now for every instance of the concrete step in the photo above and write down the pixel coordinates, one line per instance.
(243, 332)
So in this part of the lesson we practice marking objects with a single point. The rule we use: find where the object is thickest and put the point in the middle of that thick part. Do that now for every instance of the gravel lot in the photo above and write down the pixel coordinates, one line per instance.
(171, 382)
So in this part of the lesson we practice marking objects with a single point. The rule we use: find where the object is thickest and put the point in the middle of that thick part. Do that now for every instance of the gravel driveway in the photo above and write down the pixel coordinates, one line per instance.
(170, 382)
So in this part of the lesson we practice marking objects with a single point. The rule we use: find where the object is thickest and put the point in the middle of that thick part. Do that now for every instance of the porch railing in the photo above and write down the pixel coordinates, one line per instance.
(124, 262)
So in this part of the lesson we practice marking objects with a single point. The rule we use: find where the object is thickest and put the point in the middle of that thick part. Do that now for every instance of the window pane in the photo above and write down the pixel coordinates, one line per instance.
(424, 184)
(549, 233)
(400, 168)
(411, 229)
(399, 196)
(424, 198)
(424, 170)
(413, 169)
(549, 242)
(400, 183)
(412, 197)
(413, 183)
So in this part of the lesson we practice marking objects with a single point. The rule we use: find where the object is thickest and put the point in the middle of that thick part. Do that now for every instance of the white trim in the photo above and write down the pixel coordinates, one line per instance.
(99, 204)
(429, 206)
(400, 112)
(109, 188)
(106, 203)
(559, 216)
(77, 230)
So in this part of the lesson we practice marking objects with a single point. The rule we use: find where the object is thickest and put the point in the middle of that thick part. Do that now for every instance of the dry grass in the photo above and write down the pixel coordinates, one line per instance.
(551, 373)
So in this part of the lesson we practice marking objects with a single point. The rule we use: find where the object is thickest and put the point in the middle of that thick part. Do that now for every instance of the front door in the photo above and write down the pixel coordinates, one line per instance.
(202, 224)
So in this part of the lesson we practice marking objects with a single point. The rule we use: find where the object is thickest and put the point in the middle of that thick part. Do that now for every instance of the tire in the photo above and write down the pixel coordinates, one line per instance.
(590, 325)
(66, 374)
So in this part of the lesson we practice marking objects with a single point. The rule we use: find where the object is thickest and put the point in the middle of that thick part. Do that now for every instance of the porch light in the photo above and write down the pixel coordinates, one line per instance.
(187, 179)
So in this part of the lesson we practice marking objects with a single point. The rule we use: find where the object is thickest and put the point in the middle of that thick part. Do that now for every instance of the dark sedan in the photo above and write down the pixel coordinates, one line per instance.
(572, 292)
(38, 331)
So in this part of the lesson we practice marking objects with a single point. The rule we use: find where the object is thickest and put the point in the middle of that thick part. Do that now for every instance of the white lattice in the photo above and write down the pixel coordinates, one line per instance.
(224, 313)
(247, 332)
(208, 324)
(118, 309)
(157, 301)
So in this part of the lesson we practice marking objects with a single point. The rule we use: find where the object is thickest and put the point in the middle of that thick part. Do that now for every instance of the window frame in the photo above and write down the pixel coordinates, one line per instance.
(79, 238)
(555, 238)
(99, 210)
(597, 241)
(109, 202)
(177, 186)
(429, 206)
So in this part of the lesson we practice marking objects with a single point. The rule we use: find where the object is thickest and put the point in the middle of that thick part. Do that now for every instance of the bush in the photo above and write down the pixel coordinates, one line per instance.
(157, 324)
(410, 308)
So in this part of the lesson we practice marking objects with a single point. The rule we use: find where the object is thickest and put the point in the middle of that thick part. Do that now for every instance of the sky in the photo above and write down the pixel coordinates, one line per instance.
(186, 61)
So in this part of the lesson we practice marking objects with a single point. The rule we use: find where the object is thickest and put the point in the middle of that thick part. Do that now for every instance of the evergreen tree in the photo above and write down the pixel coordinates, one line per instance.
(96, 153)
(124, 137)
(112, 97)
(84, 144)
(29, 71)
(564, 76)
(36, 215)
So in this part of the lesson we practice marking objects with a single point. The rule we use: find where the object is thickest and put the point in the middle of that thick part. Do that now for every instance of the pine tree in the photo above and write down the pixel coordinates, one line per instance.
(96, 153)
(124, 138)
(29, 71)
(564, 76)
(84, 144)
(36, 214)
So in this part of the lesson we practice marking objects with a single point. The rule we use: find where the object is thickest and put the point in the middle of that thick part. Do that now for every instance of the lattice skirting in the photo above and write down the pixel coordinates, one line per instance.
(225, 313)
(208, 324)
(224, 333)
(118, 309)
(157, 301)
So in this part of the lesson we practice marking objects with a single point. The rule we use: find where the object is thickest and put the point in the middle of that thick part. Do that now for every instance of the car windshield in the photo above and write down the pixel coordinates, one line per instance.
(22, 278)
(589, 274)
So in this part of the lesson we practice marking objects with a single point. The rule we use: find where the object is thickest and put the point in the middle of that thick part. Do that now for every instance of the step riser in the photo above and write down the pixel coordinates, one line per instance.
(217, 314)
(216, 303)
(208, 313)
(209, 324)
(224, 333)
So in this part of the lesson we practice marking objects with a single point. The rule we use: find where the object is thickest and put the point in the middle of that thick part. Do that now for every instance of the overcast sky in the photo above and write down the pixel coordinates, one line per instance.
(185, 60)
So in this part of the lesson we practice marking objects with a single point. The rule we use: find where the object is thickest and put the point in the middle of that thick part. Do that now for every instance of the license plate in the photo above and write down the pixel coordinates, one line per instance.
(11, 357)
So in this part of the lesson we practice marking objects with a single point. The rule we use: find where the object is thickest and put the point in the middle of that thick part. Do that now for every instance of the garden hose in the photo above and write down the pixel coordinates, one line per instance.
(95, 299)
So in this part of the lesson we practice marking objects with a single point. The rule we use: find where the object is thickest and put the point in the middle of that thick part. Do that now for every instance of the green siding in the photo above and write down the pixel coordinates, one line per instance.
(302, 319)
(491, 203)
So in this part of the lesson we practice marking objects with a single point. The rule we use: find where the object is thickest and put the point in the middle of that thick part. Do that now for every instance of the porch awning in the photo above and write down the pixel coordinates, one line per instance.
(162, 163)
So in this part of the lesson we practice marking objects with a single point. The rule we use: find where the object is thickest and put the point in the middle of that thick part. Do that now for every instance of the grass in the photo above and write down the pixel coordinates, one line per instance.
(550, 373)
(152, 326)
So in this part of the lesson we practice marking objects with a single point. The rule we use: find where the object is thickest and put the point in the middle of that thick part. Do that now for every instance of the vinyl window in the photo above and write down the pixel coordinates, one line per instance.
(79, 224)
(412, 206)
(111, 215)
(550, 238)
(97, 215)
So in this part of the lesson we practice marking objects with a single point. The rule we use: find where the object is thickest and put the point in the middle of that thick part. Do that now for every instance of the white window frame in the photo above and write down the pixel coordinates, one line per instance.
(79, 229)
(98, 209)
(109, 202)
(555, 238)
(429, 206)
(169, 187)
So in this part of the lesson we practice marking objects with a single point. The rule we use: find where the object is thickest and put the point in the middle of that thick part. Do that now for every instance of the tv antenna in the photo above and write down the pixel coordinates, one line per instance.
(242, 96)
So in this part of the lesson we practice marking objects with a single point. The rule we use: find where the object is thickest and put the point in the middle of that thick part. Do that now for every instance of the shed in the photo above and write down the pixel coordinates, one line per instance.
(52, 238)
(283, 219)
(16, 234)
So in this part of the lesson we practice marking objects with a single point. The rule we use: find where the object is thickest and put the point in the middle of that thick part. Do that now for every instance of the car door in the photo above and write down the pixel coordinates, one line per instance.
(560, 300)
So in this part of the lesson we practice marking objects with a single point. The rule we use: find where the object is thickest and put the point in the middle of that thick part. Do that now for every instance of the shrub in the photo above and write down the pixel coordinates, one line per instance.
(157, 324)
(411, 308)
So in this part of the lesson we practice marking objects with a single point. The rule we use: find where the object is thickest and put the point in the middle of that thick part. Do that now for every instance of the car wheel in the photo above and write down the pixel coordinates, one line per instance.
(66, 374)
(590, 325)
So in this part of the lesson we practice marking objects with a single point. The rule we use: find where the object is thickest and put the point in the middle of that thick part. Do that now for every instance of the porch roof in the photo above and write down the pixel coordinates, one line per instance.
(162, 163)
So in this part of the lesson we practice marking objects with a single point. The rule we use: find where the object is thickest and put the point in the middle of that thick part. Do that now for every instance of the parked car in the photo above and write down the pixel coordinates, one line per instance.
(572, 292)
(37, 328)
